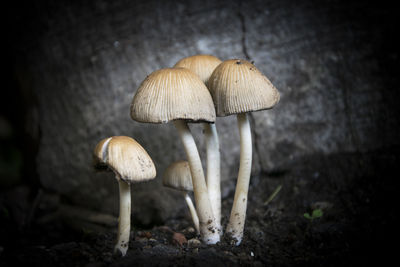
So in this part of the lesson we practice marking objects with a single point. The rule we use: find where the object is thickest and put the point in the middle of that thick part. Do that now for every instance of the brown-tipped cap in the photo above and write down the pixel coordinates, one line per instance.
(237, 86)
(201, 65)
(178, 176)
(126, 157)
(172, 94)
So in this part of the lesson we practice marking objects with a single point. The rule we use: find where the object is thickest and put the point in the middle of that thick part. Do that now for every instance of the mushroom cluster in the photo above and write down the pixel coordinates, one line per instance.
(237, 88)
(195, 90)
(192, 91)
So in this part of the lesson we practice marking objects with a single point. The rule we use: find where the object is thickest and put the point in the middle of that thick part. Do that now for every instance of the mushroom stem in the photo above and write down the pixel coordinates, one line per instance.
(124, 220)
(193, 212)
(208, 229)
(238, 213)
(213, 171)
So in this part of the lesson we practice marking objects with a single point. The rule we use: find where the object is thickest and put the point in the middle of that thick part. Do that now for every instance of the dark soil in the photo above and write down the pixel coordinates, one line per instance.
(356, 193)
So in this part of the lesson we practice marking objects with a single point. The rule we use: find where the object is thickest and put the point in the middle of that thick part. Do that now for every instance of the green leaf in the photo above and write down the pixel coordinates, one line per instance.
(317, 213)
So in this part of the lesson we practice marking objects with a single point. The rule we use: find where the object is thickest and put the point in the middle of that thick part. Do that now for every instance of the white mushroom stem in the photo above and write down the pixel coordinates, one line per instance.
(192, 210)
(124, 220)
(238, 213)
(208, 228)
(213, 171)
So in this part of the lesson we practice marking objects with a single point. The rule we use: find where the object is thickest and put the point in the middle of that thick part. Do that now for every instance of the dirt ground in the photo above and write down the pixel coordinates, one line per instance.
(355, 192)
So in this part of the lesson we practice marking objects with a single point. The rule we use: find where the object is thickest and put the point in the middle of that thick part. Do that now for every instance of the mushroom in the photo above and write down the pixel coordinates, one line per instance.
(203, 66)
(130, 164)
(177, 176)
(178, 95)
(238, 87)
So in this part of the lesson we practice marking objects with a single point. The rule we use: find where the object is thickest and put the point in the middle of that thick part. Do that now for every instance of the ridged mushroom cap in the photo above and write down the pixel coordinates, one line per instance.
(172, 94)
(126, 157)
(201, 65)
(178, 176)
(237, 86)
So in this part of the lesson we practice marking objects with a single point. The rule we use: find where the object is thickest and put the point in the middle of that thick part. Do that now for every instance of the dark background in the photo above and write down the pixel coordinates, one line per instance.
(71, 69)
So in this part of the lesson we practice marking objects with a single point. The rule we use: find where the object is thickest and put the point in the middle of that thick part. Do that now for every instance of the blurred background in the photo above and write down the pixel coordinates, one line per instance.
(72, 68)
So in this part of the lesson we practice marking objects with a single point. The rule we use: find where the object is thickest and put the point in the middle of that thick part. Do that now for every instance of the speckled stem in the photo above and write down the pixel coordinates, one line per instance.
(213, 171)
(208, 229)
(124, 220)
(193, 212)
(238, 213)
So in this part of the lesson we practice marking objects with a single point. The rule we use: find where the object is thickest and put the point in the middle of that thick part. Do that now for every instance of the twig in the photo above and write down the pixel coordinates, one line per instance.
(276, 191)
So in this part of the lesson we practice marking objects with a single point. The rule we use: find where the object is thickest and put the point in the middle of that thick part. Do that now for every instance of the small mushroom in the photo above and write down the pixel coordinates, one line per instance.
(238, 87)
(178, 95)
(130, 164)
(203, 66)
(177, 176)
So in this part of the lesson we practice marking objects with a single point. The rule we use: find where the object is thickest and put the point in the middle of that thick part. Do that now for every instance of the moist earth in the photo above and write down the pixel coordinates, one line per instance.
(353, 194)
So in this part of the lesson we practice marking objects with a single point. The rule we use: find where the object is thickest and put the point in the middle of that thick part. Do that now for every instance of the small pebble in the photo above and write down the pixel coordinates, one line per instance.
(147, 235)
(194, 242)
(179, 239)
(190, 230)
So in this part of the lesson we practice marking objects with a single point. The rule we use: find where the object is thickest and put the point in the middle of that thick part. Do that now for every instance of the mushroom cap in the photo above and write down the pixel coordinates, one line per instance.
(126, 157)
(237, 86)
(201, 65)
(178, 176)
(172, 94)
